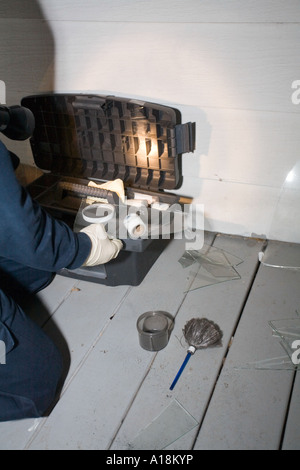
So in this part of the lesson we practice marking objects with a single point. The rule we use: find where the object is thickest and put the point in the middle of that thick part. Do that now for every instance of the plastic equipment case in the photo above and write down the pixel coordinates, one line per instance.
(83, 137)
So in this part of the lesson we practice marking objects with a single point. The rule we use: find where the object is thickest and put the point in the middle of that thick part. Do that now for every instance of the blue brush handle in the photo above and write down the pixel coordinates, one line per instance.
(189, 354)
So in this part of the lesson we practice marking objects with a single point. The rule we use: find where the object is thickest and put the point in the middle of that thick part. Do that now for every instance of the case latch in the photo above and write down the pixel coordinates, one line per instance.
(185, 135)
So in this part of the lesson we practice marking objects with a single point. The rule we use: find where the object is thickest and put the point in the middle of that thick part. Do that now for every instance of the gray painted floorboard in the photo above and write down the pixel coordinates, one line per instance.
(114, 389)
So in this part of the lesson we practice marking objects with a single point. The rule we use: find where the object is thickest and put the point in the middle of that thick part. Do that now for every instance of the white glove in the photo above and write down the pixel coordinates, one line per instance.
(103, 248)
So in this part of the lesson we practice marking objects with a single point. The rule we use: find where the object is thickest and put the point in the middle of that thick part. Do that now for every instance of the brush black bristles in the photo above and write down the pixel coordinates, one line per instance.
(202, 333)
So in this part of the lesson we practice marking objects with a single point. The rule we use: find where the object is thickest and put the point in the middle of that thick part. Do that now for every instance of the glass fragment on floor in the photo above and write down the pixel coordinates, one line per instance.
(287, 332)
(207, 266)
(171, 424)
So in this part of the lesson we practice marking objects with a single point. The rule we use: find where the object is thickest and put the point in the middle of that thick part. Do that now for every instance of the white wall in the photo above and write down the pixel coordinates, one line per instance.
(228, 65)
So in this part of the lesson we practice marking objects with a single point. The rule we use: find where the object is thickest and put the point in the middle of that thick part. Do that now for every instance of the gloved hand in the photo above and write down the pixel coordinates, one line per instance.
(103, 248)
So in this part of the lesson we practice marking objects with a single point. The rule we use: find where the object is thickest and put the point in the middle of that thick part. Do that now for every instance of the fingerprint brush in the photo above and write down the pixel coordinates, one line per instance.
(199, 333)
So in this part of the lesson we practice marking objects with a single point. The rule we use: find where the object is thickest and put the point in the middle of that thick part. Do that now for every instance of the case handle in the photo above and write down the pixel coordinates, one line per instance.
(185, 135)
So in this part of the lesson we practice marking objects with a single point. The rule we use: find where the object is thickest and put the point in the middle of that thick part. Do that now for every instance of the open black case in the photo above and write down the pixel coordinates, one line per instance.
(81, 138)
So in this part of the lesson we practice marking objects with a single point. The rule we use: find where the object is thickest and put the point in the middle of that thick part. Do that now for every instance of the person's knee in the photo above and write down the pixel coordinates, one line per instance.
(32, 392)
(46, 378)
(33, 365)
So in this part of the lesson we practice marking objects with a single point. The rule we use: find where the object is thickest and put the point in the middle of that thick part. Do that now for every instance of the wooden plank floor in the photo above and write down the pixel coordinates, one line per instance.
(114, 389)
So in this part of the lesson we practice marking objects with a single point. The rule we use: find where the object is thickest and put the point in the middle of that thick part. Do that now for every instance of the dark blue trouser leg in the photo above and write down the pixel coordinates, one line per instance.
(32, 366)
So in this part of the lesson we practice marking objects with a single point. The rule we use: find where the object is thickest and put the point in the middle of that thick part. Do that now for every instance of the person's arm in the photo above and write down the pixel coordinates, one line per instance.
(28, 234)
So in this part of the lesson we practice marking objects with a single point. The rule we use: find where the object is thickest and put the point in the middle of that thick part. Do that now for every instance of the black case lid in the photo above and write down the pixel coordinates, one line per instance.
(106, 137)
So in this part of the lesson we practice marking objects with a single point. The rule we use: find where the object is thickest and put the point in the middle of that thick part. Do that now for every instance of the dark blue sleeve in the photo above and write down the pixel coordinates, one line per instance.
(28, 234)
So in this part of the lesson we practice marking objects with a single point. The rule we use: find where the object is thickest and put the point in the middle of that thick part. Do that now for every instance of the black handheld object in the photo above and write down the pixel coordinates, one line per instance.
(16, 122)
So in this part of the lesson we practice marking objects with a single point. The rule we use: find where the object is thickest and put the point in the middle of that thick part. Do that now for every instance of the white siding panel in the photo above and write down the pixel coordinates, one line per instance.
(237, 208)
(169, 11)
(228, 66)
(232, 66)
(257, 148)
(27, 55)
